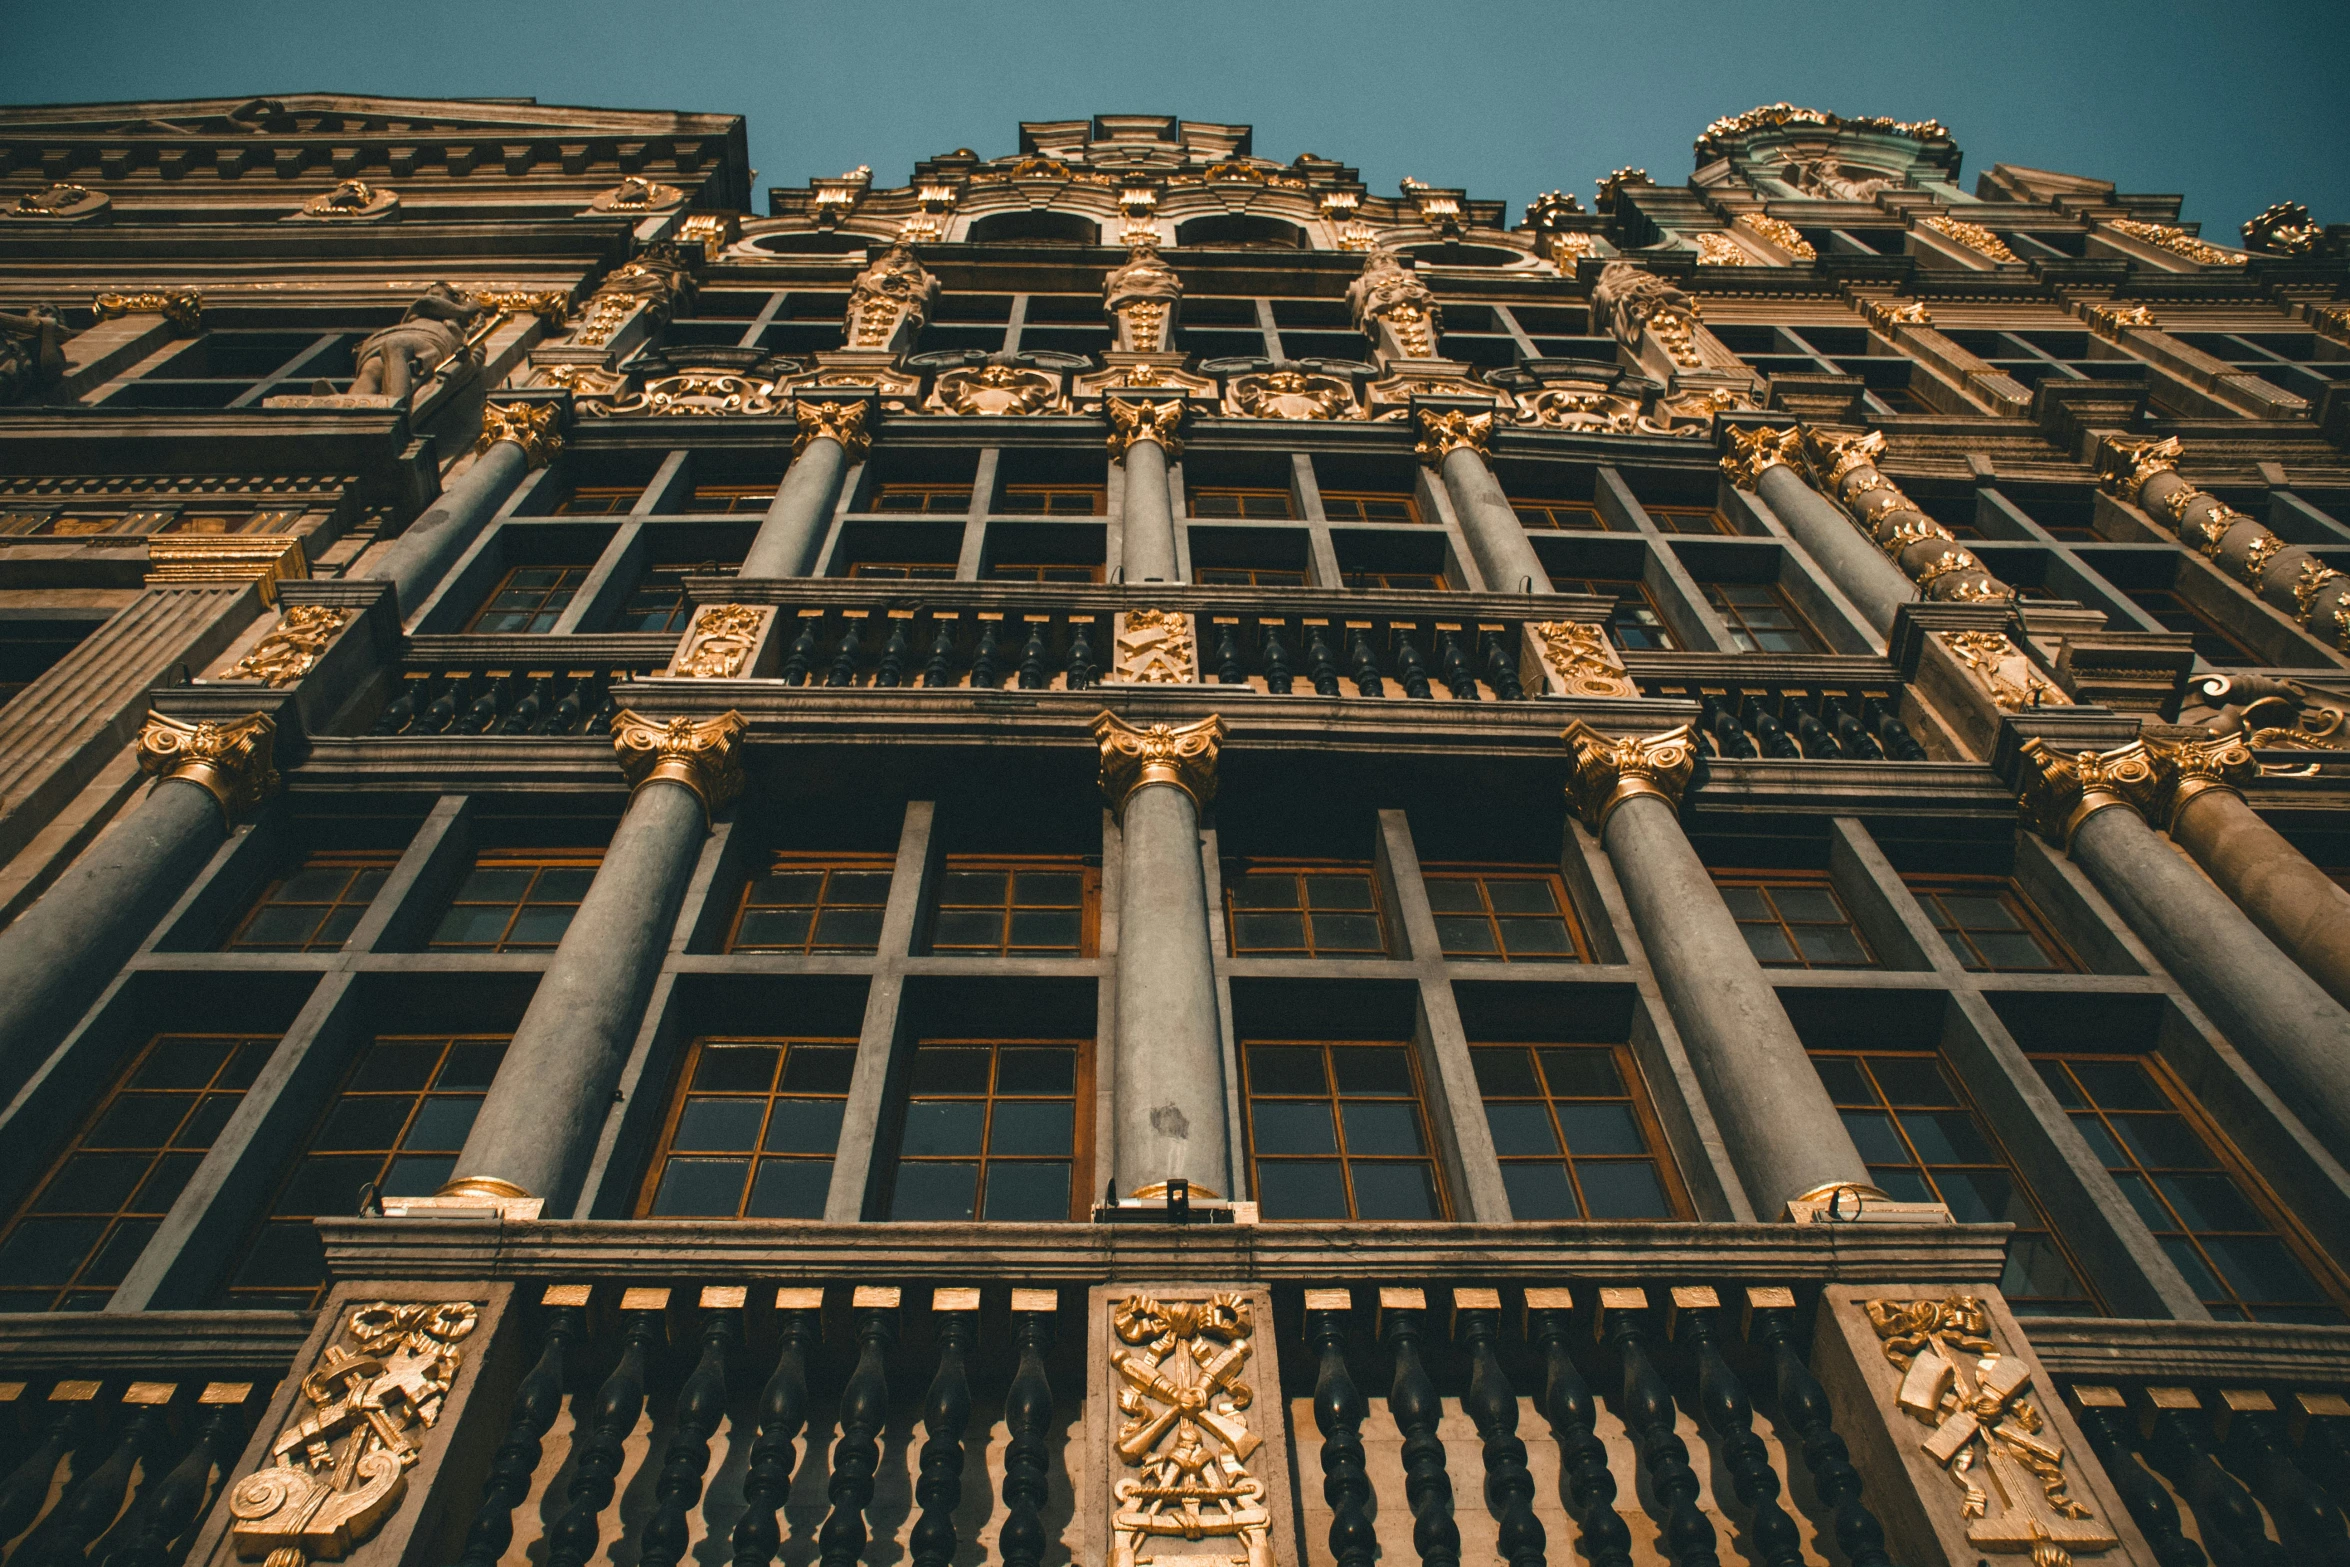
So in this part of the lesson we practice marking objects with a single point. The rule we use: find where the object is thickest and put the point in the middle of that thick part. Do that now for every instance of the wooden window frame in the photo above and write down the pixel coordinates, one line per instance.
(1716, 521)
(1082, 1183)
(680, 613)
(929, 492)
(1249, 576)
(2062, 958)
(1236, 869)
(1357, 582)
(1551, 510)
(1652, 1131)
(625, 494)
(789, 862)
(534, 860)
(356, 861)
(1442, 870)
(1358, 498)
(1763, 881)
(739, 499)
(649, 1189)
(1620, 589)
(881, 570)
(1034, 572)
(1240, 494)
(1097, 497)
(1431, 1156)
(1734, 617)
(563, 584)
(1089, 910)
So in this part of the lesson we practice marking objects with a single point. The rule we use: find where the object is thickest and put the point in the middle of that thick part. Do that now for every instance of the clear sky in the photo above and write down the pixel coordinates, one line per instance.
(2234, 104)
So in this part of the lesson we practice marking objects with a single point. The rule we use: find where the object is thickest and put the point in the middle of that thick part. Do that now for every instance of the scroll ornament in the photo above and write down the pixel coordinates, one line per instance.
(294, 645)
(232, 762)
(531, 426)
(1144, 421)
(1998, 1449)
(2062, 790)
(1609, 771)
(1449, 430)
(1756, 448)
(181, 307)
(2184, 769)
(705, 757)
(719, 642)
(1183, 755)
(340, 1469)
(1184, 1430)
(842, 422)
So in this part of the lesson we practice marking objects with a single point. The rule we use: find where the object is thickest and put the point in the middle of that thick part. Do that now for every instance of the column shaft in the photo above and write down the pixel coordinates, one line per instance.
(796, 520)
(1504, 556)
(2296, 1035)
(2298, 906)
(1169, 1083)
(1874, 584)
(1781, 1129)
(539, 1123)
(61, 952)
(420, 557)
(1148, 528)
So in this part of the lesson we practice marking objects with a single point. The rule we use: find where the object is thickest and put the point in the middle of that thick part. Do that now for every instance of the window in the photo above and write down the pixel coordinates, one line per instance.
(1794, 920)
(731, 498)
(87, 1221)
(1368, 506)
(1575, 516)
(599, 500)
(530, 599)
(1761, 619)
(1398, 582)
(515, 901)
(1634, 623)
(753, 1131)
(806, 904)
(1015, 908)
(902, 570)
(1057, 500)
(658, 602)
(991, 1131)
(1329, 910)
(1922, 1141)
(2240, 1255)
(2214, 643)
(1248, 577)
(1991, 926)
(951, 499)
(1688, 519)
(1040, 572)
(1335, 1131)
(397, 1125)
(1503, 916)
(1576, 1137)
(315, 908)
(1225, 501)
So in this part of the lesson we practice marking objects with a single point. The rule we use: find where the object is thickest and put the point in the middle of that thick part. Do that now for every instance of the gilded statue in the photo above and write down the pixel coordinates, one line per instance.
(391, 362)
(890, 300)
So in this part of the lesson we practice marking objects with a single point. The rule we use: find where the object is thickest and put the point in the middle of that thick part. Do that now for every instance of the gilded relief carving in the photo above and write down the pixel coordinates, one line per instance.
(1184, 1432)
(233, 762)
(1154, 647)
(1290, 394)
(1573, 658)
(2001, 668)
(294, 645)
(2178, 242)
(1973, 236)
(995, 391)
(705, 756)
(719, 643)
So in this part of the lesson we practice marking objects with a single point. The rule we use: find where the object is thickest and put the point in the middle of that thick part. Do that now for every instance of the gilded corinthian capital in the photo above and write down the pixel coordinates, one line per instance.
(1144, 421)
(530, 426)
(232, 762)
(1758, 447)
(2061, 789)
(1448, 430)
(1609, 771)
(2123, 466)
(1161, 754)
(2184, 769)
(705, 757)
(842, 422)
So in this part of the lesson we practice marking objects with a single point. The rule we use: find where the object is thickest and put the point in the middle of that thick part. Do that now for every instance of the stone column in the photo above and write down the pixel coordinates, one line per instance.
(1782, 1132)
(539, 1123)
(1762, 461)
(1453, 441)
(1168, 1058)
(832, 436)
(1142, 436)
(2094, 806)
(515, 438)
(61, 952)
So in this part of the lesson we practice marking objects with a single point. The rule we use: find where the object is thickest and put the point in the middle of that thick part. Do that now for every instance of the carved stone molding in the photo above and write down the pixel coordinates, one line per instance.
(292, 647)
(2184, 769)
(2061, 789)
(1444, 431)
(842, 422)
(1181, 755)
(1141, 297)
(1153, 647)
(2003, 670)
(181, 306)
(535, 427)
(721, 641)
(1609, 770)
(210, 559)
(1973, 236)
(1587, 406)
(705, 757)
(61, 202)
(232, 762)
(1628, 298)
(1290, 394)
(995, 391)
(1144, 421)
(1757, 447)
(1572, 658)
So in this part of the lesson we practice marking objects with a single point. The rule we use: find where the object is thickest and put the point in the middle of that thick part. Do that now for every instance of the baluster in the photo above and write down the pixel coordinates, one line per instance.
(1723, 1406)
(783, 1409)
(1493, 1404)
(1034, 676)
(944, 1415)
(1803, 1407)
(1717, 720)
(1817, 742)
(482, 716)
(27, 1486)
(844, 657)
(1028, 1418)
(1278, 678)
(864, 1405)
(1366, 664)
(1850, 733)
(563, 718)
(400, 712)
(1411, 1399)
(600, 721)
(526, 712)
(983, 671)
(2325, 1453)
(1083, 672)
(537, 1400)
(443, 712)
(801, 653)
(95, 1499)
(893, 654)
(2146, 1498)
(598, 1447)
(1410, 668)
(940, 670)
(1339, 1411)
(1891, 732)
(1768, 732)
(1228, 671)
(2231, 1525)
(1567, 1404)
(1321, 663)
(2306, 1518)
(1459, 678)
(701, 1404)
(1647, 1410)
(167, 1507)
(1501, 667)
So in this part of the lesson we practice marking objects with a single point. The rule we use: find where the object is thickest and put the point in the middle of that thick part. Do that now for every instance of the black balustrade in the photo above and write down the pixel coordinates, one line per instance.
(1339, 1411)
(537, 1400)
(1412, 1401)
(783, 1410)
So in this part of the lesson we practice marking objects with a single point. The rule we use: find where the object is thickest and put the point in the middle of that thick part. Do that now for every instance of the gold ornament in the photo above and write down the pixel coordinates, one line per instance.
(2184, 769)
(842, 422)
(1609, 771)
(1135, 758)
(1144, 421)
(2061, 790)
(232, 762)
(1449, 430)
(531, 426)
(293, 646)
(181, 307)
(1754, 448)
(705, 757)
(1183, 1426)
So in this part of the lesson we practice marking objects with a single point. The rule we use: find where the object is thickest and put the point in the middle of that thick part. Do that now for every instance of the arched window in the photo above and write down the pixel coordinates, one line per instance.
(1239, 231)
(1036, 228)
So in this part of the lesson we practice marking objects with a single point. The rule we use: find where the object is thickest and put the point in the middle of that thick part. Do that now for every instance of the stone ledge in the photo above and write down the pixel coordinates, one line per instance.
(173, 1345)
(2101, 1349)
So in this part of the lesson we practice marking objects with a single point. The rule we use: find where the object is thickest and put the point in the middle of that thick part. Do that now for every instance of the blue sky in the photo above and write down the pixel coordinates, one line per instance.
(2232, 105)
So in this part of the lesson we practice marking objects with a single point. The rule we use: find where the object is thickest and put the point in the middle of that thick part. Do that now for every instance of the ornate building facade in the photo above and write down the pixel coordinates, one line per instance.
(1128, 855)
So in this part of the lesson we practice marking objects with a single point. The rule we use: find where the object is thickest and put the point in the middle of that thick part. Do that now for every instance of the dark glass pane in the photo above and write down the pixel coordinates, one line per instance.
(1600, 1129)
(279, 927)
(2014, 951)
(1031, 1128)
(736, 1068)
(338, 927)
(1382, 1070)
(848, 930)
(470, 925)
(1382, 1129)
(2210, 1202)
(471, 1064)
(326, 1186)
(1464, 935)
(1347, 933)
(418, 1175)
(165, 1183)
(1454, 895)
(284, 1255)
(2140, 1192)
(2162, 1141)
(934, 1191)
(364, 1121)
(204, 1127)
(1537, 938)
(801, 887)
(1338, 892)
(948, 1070)
(1948, 1137)
(773, 928)
(1807, 905)
(2036, 1267)
(1539, 1191)
(1034, 888)
(246, 1064)
(944, 1127)
(968, 928)
(1623, 1189)
(728, 1125)
(1768, 943)
(1504, 1070)
(1914, 1081)
(1831, 946)
(318, 884)
(390, 1068)
(492, 886)
(1978, 911)
(2101, 1142)
(1055, 929)
(1521, 1129)
(2190, 1264)
(973, 887)
(1269, 932)
(2060, 1084)
(1904, 1185)
(563, 885)
(790, 1189)
(1286, 1069)
(47, 1251)
(1264, 890)
(819, 1069)
(1029, 1070)
(1394, 1191)
(804, 1126)
(94, 1183)
(1845, 1082)
(2120, 1085)
(1746, 903)
(1585, 1073)
(1522, 897)
(2261, 1268)
(1980, 1196)
(1874, 1136)
(138, 1121)
(441, 1123)
(1292, 1127)
(1027, 1191)
(858, 887)
(701, 1188)
(540, 926)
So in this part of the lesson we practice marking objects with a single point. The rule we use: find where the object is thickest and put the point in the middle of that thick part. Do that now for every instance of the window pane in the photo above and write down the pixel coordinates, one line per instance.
(1293, 1128)
(1539, 1191)
(729, 1124)
(694, 1188)
(1301, 1189)
(1521, 1129)
(1394, 1191)
(944, 1127)
(1027, 1191)
(1382, 1129)
(932, 1190)
(790, 1189)
(1623, 1189)
(804, 1126)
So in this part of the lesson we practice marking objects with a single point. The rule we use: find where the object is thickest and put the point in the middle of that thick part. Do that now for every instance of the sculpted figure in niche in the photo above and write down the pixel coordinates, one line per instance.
(890, 300)
(1388, 295)
(1626, 297)
(393, 360)
(1144, 279)
(32, 352)
(1831, 180)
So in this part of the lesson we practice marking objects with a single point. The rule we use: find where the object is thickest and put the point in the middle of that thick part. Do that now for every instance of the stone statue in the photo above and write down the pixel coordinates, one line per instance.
(1829, 179)
(1393, 307)
(393, 360)
(890, 300)
(1141, 297)
(32, 353)
(1626, 297)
